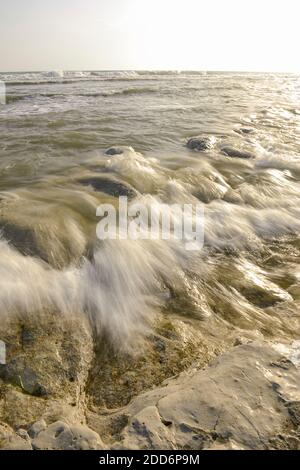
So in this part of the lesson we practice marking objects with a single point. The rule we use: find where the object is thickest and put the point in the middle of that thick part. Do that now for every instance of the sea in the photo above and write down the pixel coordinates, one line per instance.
(71, 141)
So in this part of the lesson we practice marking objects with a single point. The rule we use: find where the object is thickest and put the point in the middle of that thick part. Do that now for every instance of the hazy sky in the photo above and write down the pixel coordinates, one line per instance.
(150, 34)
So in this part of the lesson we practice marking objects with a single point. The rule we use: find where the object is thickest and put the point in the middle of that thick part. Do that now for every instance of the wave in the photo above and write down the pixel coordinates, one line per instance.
(14, 98)
(122, 283)
(65, 77)
(44, 82)
(130, 91)
(117, 290)
(10, 99)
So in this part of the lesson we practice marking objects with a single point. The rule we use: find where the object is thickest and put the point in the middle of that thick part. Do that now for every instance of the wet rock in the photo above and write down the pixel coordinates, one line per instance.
(17, 373)
(115, 379)
(233, 403)
(57, 244)
(233, 197)
(285, 441)
(244, 130)
(200, 143)
(109, 186)
(114, 151)
(294, 411)
(246, 399)
(235, 153)
(47, 374)
(27, 336)
(294, 290)
(207, 190)
(61, 436)
(22, 238)
(262, 296)
(241, 340)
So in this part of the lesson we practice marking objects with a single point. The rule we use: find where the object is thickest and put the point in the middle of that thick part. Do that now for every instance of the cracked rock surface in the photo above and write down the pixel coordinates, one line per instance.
(247, 399)
(54, 395)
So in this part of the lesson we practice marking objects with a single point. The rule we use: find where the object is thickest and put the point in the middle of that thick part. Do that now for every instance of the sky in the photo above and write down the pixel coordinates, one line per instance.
(256, 35)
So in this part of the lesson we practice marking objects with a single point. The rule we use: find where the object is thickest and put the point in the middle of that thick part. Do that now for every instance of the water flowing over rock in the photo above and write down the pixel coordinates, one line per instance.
(141, 343)
(109, 186)
(236, 153)
(245, 130)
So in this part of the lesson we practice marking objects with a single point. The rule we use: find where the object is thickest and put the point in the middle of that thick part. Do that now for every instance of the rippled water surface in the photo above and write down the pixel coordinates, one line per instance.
(54, 172)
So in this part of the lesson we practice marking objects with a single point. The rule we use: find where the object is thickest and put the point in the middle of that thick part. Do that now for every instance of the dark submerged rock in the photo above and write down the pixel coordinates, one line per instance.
(199, 143)
(235, 153)
(244, 130)
(109, 186)
(45, 241)
(114, 151)
(22, 238)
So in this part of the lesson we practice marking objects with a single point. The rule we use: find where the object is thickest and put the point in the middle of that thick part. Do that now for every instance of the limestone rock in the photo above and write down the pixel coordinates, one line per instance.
(9, 440)
(61, 436)
(36, 428)
(115, 379)
(17, 373)
(48, 359)
(240, 401)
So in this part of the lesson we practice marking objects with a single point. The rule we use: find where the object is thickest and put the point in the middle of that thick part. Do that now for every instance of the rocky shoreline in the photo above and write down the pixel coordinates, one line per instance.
(247, 397)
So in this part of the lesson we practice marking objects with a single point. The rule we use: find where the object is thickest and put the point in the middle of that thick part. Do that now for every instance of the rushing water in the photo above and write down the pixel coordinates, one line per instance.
(55, 128)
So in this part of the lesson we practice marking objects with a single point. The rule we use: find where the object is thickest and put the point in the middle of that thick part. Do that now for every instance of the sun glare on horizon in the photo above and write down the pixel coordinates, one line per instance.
(135, 34)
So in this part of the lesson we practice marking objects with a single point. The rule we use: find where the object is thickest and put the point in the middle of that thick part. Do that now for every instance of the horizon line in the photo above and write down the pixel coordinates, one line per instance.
(150, 70)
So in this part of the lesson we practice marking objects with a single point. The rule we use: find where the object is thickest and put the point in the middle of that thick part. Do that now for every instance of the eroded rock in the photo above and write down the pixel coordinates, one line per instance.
(10, 440)
(17, 373)
(47, 366)
(61, 436)
(116, 378)
(239, 401)
(36, 428)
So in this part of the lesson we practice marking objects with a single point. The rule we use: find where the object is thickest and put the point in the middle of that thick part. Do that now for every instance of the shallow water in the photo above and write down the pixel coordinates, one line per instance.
(54, 130)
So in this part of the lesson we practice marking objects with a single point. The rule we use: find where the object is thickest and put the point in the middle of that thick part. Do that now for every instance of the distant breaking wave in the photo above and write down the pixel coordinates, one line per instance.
(134, 90)
(128, 91)
(40, 78)
(46, 82)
